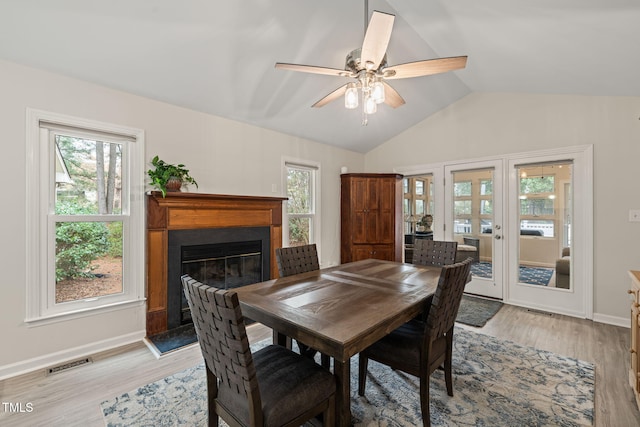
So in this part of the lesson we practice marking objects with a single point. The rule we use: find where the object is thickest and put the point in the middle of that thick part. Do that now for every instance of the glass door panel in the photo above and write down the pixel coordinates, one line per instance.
(473, 200)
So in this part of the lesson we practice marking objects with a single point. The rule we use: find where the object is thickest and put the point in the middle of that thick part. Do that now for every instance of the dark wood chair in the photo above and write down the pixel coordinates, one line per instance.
(434, 252)
(300, 259)
(271, 387)
(297, 259)
(419, 348)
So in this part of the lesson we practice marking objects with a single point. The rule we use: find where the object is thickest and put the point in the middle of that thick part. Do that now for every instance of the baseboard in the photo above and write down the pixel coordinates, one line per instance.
(624, 322)
(42, 362)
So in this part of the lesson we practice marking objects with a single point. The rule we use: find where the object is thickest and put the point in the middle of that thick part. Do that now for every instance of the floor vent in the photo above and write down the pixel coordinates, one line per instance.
(545, 313)
(68, 365)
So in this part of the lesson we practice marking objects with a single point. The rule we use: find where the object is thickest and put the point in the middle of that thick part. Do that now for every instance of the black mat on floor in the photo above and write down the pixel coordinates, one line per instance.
(174, 338)
(476, 311)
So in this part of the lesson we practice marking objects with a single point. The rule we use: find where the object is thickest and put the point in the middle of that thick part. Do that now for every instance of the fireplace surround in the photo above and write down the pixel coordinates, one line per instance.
(194, 219)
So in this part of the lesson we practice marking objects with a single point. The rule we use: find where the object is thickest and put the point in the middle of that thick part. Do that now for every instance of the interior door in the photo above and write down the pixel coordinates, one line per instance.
(547, 269)
(473, 210)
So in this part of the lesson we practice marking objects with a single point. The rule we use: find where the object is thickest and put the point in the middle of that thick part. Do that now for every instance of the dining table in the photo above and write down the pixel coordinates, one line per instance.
(341, 310)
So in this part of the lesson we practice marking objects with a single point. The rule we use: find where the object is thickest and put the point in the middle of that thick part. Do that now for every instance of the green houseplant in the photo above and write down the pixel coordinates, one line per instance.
(168, 177)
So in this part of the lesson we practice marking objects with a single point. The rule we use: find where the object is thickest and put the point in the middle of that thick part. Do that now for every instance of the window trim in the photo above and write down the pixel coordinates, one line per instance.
(39, 172)
(316, 206)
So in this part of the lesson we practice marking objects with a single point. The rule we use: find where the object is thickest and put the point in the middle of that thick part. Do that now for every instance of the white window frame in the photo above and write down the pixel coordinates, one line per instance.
(314, 236)
(40, 292)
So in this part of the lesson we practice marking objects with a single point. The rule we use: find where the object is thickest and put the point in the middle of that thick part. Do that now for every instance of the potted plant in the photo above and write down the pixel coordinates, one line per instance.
(167, 177)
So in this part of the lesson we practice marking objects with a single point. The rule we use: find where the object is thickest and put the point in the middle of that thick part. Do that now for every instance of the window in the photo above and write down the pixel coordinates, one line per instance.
(537, 203)
(302, 204)
(86, 225)
(418, 200)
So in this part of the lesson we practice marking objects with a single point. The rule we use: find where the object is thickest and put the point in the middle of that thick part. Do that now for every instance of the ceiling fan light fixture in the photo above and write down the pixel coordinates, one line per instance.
(351, 96)
(370, 106)
(377, 92)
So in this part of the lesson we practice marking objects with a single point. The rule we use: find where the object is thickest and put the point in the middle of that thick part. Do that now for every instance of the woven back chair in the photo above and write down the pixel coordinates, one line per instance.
(434, 252)
(419, 348)
(272, 387)
(297, 259)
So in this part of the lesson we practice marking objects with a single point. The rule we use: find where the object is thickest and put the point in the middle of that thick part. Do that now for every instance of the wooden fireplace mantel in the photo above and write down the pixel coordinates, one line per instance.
(183, 211)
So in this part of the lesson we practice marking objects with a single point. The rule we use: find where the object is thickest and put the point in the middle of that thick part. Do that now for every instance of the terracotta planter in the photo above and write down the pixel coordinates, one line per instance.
(174, 184)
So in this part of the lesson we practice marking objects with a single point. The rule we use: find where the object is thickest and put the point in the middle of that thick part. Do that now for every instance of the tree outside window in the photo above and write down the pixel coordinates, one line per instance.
(301, 204)
(88, 238)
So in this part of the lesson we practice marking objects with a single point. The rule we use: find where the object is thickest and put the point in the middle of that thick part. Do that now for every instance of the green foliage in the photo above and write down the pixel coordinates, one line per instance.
(163, 171)
(537, 184)
(114, 239)
(78, 243)
(299, 194)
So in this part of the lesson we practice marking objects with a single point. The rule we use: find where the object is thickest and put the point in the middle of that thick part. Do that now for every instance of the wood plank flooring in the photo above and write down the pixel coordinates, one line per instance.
(72, 398)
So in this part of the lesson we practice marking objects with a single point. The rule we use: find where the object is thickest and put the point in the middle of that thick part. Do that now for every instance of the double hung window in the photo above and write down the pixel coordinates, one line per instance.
(86, 241)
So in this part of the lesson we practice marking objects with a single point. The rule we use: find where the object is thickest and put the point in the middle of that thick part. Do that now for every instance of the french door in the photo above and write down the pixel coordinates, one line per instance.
(474, 218)
(550, 258)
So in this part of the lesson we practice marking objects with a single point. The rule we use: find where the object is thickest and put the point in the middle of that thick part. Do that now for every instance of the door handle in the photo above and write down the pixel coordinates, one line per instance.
(498, 237)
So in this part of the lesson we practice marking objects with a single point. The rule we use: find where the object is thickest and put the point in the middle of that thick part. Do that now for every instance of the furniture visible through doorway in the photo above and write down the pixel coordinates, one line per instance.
(470, 248)
(379, 296)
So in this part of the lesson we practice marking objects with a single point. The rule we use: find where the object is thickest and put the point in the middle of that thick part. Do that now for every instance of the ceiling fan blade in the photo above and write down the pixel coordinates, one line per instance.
(313, 69)
(391, 96)
(331, 97)
(376, 40)
(425, 68)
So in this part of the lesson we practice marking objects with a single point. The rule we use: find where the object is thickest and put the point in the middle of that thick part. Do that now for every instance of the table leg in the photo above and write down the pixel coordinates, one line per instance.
(281, 339)
(343, 392)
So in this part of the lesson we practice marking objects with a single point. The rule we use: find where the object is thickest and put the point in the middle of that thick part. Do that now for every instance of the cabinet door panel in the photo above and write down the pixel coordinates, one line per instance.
(386, 219)
(360, 191)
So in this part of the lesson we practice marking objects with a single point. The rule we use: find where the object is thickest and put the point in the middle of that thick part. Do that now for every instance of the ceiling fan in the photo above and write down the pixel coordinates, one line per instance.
(369, 69)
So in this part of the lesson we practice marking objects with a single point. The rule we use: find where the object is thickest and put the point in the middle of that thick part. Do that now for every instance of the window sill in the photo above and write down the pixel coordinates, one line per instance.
(77, 314)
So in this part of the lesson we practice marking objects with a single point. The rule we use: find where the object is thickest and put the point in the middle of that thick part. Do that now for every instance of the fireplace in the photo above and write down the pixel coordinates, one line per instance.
(196, 234)
(224, 258)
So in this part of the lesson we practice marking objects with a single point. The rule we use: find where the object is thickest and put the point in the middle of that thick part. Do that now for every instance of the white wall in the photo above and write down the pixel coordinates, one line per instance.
(224, 156)
(485, 124)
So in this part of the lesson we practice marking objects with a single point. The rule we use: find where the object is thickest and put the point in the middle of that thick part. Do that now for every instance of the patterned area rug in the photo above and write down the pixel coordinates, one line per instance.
(476, 311)
(530, 275)
(496, 383)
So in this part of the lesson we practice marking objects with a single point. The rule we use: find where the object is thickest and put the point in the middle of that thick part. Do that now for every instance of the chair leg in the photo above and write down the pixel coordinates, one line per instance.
(212, 393)
(329, 414)
(448, 365)
(363, 363)
(424, 399)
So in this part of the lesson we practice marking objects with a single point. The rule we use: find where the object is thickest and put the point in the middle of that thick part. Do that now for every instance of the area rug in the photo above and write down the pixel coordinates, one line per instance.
(529, 275)
(476, 311)
(496, 383)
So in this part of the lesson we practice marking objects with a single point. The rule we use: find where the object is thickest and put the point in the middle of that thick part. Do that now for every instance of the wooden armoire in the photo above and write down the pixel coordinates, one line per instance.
(371, 217)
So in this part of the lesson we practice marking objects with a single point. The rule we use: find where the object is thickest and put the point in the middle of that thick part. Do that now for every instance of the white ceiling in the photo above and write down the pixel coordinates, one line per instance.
(218, 57)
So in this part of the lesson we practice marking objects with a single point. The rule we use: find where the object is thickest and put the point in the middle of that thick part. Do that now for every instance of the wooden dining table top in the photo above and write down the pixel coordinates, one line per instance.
(341, 310)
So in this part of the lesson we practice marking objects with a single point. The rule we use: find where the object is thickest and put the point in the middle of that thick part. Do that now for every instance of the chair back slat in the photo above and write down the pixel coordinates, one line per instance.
(297, 259)
(221, 331)
(446, 300)
(434, 252)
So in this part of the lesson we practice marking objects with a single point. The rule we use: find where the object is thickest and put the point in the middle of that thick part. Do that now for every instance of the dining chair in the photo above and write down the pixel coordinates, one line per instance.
(419, 348)
(434, 252)
(271, 387)
(295, 260)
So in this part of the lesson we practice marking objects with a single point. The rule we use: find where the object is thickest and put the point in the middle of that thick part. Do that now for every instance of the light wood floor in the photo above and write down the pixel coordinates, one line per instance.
(72, 398)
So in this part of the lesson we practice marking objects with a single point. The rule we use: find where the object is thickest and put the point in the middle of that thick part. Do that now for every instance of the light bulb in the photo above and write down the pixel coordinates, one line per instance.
(377, 92)
(370, 106)
(351, 96)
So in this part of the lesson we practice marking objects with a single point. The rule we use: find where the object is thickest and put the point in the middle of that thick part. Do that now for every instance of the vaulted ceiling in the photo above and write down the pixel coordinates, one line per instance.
(218, 56)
